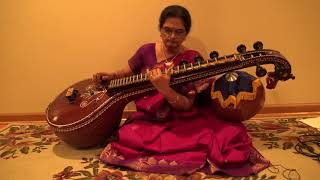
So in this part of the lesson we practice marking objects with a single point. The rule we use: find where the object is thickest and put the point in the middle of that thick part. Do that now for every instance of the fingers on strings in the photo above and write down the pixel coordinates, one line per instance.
(158, 72)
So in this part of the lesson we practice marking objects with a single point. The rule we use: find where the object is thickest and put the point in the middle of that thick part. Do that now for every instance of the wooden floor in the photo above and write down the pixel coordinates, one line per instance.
(292, 110)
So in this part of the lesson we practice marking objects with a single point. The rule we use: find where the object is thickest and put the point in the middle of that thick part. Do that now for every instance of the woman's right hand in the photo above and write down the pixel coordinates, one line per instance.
(102, 76)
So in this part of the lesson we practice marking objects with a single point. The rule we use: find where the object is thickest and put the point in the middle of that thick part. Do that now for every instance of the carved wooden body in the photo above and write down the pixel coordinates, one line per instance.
(92, 114)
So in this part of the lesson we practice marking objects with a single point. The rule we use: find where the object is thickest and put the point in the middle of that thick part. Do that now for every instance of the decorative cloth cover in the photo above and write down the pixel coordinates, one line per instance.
(238, 98)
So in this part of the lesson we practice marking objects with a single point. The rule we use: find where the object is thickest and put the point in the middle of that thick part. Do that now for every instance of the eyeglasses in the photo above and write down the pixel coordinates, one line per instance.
(169, 31)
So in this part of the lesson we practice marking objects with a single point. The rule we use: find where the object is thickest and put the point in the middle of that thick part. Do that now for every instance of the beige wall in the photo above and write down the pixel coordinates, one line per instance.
(46, 45)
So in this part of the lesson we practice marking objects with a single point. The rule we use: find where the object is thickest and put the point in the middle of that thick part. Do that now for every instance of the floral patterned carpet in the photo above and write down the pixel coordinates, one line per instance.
(30, 150)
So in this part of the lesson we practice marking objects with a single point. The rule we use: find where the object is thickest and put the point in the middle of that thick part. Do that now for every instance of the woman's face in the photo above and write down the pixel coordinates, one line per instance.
(173, 33)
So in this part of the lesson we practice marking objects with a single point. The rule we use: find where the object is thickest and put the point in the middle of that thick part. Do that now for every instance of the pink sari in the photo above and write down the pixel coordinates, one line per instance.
(160, 139)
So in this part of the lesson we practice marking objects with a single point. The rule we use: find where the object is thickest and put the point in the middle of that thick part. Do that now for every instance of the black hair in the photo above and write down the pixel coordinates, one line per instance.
(176, 11)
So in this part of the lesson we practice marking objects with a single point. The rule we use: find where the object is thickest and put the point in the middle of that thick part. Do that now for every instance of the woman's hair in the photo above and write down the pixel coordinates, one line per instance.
(178, 12)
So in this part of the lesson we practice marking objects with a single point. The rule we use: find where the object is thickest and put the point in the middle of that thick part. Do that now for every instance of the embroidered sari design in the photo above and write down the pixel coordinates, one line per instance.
(160, 139)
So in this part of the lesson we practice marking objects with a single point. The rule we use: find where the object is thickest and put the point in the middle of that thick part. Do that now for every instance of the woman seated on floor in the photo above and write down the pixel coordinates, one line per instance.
(171, 132)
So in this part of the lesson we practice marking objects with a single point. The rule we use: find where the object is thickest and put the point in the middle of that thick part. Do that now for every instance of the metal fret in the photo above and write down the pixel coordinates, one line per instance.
(117, 82)
(120, 81)
(111, 83)
(126, 80)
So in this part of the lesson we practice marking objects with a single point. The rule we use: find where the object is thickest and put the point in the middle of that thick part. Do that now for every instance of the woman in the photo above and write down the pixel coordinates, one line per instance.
(169, 133)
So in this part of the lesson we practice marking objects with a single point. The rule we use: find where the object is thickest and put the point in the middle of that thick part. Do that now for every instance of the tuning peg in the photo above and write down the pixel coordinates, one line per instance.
(198, 59)
(183, 62)
(241, 48)
(258, 45)
(214, 55)
(260, 71)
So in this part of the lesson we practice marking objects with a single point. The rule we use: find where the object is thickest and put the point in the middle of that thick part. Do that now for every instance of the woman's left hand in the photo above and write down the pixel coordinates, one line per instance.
(160, 80)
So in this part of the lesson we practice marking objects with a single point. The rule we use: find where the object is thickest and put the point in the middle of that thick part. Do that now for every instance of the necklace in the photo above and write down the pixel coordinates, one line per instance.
(169, 62)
